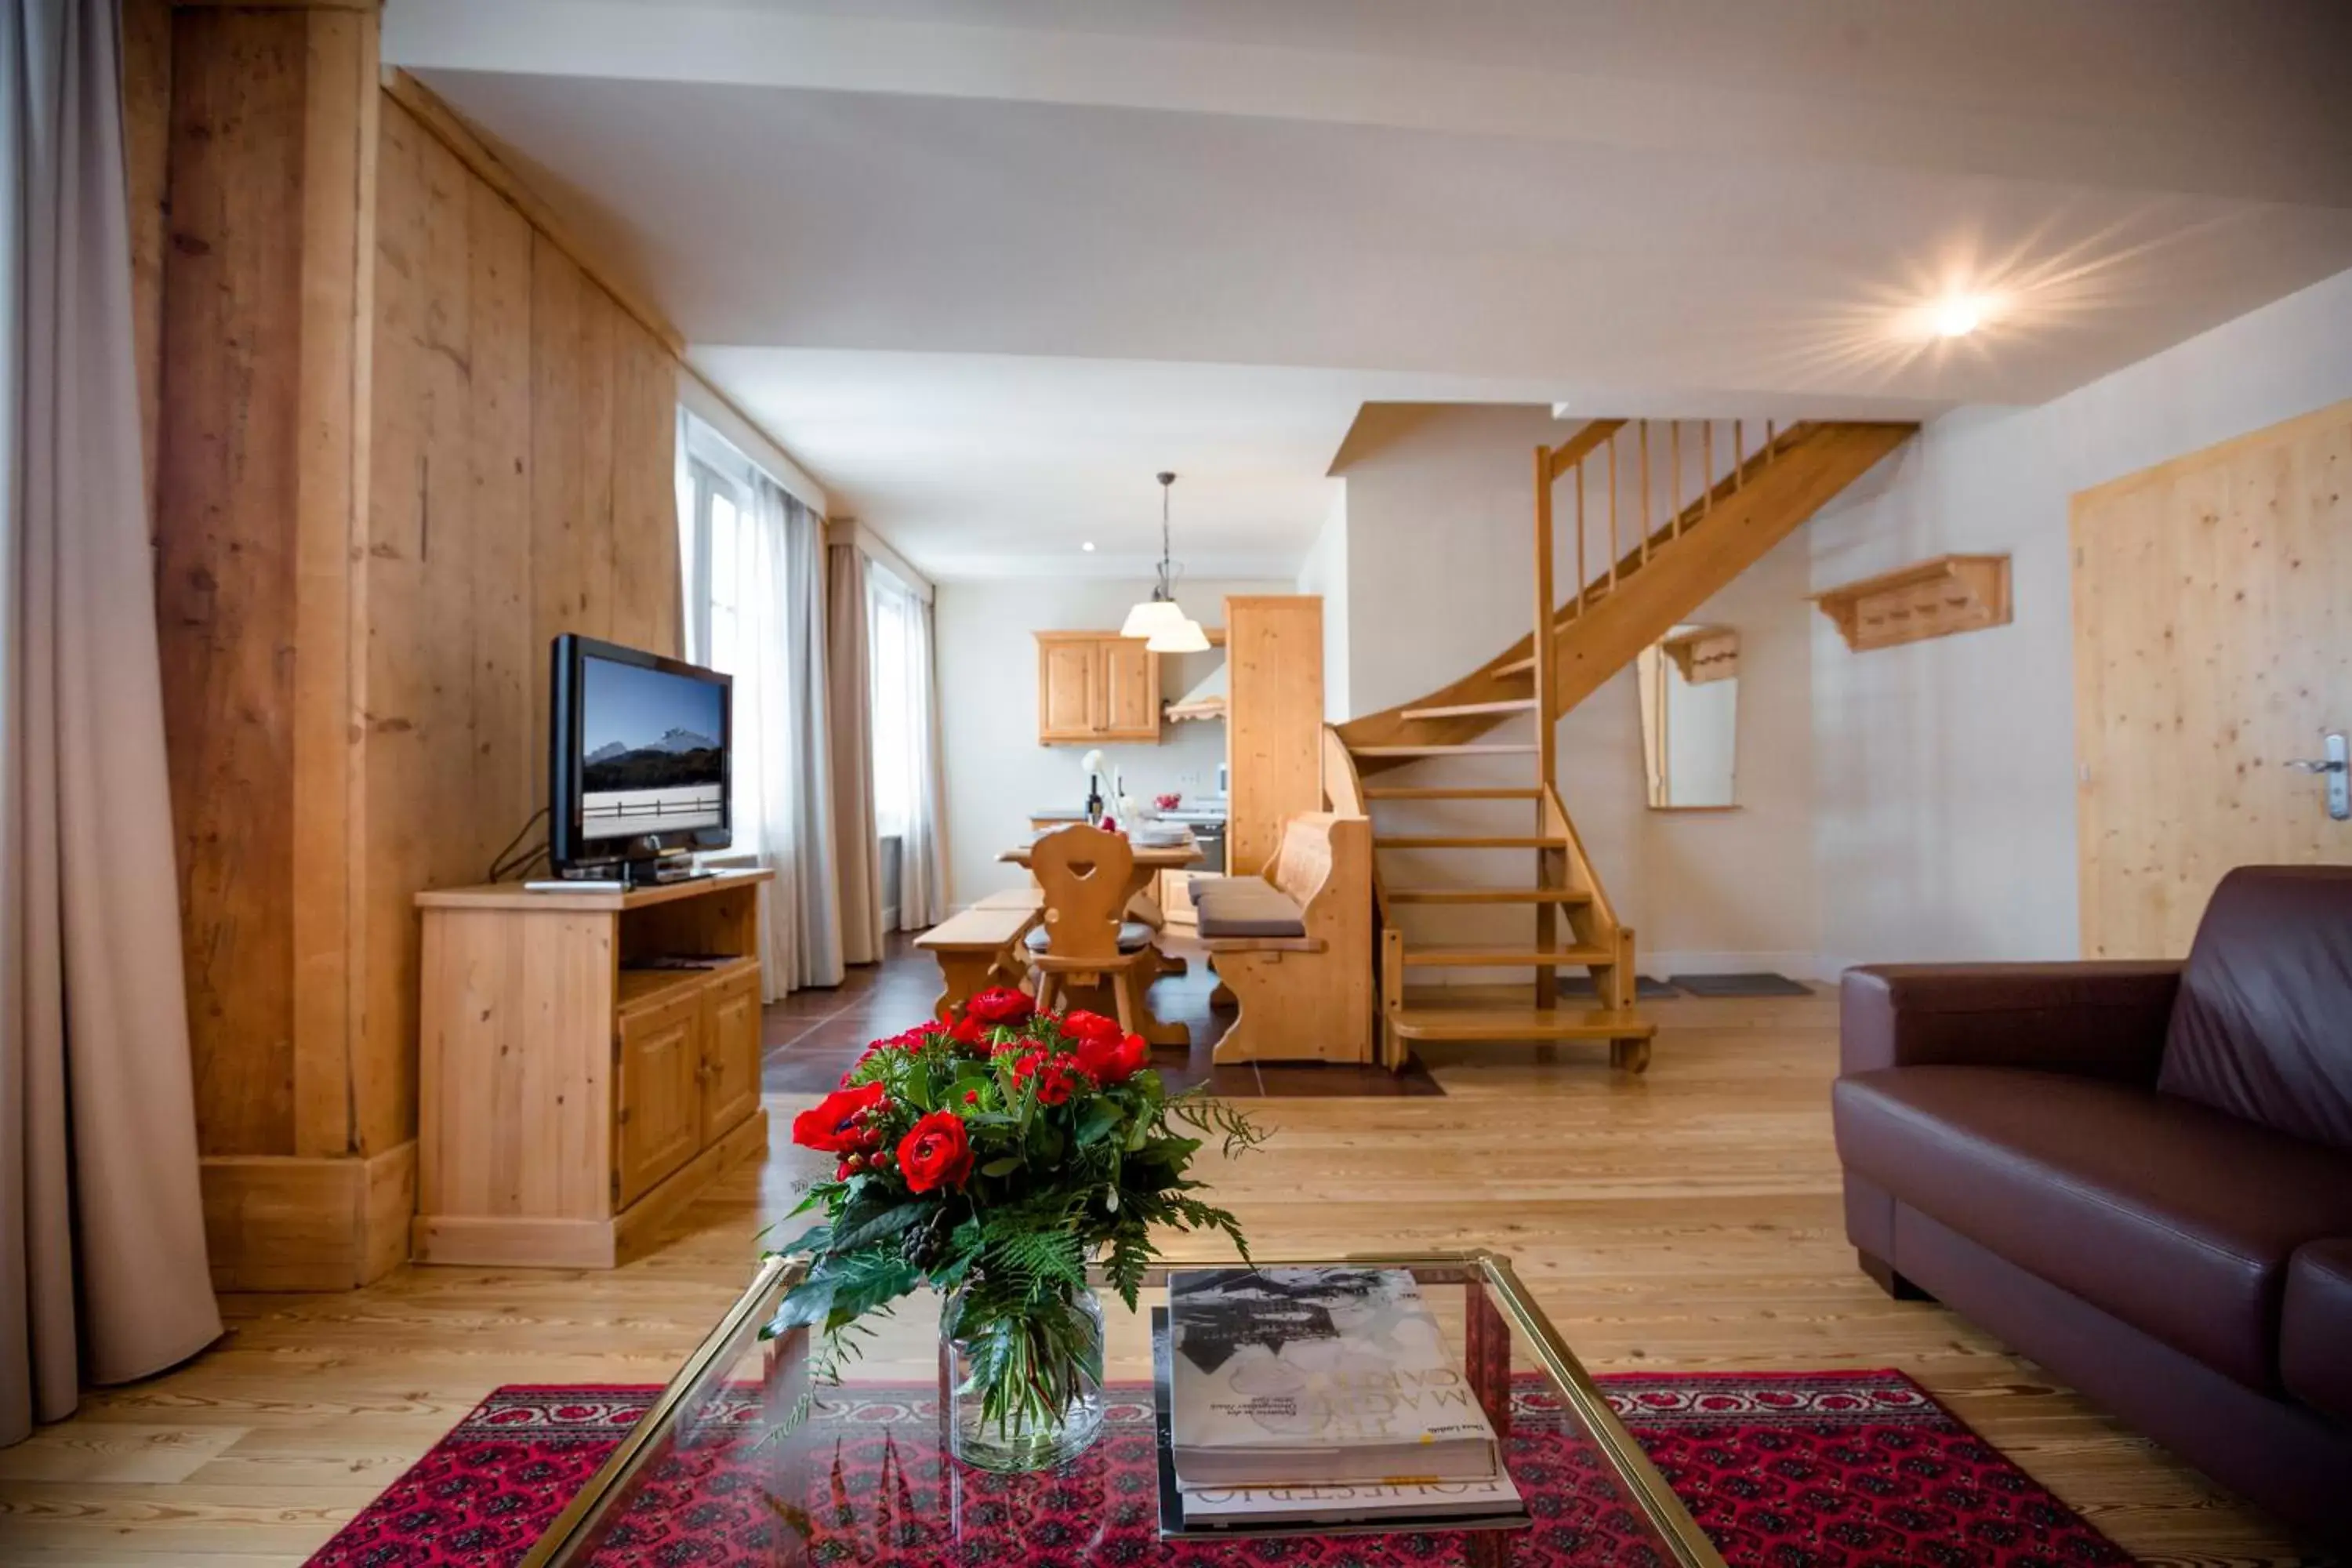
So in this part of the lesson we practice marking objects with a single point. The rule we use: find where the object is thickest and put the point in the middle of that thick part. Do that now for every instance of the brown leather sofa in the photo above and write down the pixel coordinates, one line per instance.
(2137, 1174)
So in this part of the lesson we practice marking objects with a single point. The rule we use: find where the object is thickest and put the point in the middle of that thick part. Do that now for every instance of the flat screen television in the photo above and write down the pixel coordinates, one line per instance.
(637, 757)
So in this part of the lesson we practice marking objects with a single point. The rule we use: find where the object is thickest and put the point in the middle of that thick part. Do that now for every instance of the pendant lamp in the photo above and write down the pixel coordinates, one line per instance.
(1159, 619)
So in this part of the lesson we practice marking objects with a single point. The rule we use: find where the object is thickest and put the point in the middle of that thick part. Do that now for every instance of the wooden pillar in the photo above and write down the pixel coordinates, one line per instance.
(262, 436)
(1274, 719)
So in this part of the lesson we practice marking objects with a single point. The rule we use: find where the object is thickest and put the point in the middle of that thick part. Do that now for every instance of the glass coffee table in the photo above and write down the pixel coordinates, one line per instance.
(743, 1460)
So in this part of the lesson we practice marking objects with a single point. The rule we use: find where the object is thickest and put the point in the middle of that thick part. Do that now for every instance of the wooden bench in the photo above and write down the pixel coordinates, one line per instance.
(1032, 896)
(977, 949)
(1307, 997)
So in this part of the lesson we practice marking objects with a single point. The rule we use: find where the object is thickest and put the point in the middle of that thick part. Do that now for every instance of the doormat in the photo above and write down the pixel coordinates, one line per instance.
(1825, 1468)
(1742, 985)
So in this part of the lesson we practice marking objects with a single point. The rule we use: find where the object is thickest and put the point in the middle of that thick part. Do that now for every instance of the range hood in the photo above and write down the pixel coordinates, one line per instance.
(1205, 700)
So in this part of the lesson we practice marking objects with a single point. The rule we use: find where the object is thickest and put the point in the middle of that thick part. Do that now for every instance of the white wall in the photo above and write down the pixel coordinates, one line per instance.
(996, 773)
(1439, 513)
(1946, 768)
(1325, 574)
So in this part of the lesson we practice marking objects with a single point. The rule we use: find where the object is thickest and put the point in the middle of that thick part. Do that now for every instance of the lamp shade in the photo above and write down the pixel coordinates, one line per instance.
(1152, 618)
(1186, 637)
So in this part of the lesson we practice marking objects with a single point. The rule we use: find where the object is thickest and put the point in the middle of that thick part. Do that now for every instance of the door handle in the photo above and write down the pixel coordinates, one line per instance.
(2336, 767)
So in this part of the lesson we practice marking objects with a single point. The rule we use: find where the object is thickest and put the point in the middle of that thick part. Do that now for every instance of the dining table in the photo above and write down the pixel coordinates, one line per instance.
(1150, 859)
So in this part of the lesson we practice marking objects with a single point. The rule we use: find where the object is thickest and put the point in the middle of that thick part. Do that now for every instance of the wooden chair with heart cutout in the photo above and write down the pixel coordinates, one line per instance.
(1084, 937)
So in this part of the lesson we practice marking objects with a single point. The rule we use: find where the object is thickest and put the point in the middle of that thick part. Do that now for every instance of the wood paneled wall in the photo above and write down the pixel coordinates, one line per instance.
(523, 484)
(402, 440)
(1274, 719)
(260, 434)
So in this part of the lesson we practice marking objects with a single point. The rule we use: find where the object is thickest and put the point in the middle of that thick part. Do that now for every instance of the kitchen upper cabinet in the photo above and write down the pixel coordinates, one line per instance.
(1130, 690)
(1094, 687)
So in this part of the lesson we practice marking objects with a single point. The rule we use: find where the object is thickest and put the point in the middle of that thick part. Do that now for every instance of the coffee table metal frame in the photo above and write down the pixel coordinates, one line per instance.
(578, 1525)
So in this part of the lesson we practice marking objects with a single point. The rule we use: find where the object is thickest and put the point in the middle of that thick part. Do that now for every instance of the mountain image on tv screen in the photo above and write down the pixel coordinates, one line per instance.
(651, 757)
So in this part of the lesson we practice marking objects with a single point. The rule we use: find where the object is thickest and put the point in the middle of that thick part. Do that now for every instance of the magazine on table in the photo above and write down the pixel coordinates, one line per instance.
(1490, 1503)
(1283, 1377)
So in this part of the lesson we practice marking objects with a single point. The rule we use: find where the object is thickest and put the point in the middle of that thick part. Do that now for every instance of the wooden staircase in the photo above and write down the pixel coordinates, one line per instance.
(1650, 575)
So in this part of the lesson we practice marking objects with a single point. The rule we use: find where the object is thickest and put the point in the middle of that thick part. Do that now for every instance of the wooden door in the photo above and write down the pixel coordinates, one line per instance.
(1130, 684)
(657, 1093)
(1069, 689)
(731, 1052)
(2212, 645)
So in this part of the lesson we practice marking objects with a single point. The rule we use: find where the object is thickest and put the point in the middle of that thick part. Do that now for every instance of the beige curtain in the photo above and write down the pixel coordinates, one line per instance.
(848, 665)
(102, 1270)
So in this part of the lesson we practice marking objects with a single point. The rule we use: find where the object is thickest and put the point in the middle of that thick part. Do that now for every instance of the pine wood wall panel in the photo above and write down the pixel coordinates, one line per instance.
(509, 662)
(226, 554)
(523, 486)
(1274, 719)
(342, 92)
(2212, 643)
(402, 439)
(646, 607)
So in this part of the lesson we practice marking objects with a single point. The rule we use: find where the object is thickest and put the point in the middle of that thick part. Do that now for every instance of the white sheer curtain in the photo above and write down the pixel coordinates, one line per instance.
(767, 574)
(907, 785)
(102, 1267)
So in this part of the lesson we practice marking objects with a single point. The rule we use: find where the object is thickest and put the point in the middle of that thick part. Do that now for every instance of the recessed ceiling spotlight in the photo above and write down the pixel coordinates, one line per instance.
(1957, 315)
(1089, 547)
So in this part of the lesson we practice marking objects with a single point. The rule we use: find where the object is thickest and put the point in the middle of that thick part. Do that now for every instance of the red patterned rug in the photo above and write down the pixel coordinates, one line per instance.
(1847, 1469)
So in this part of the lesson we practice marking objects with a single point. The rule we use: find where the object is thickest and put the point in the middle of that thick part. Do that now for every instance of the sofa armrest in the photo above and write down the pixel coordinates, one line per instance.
(2095, 1020)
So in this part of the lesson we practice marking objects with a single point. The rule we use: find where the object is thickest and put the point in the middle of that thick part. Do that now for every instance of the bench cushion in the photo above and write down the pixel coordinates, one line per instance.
(1245, 907)
(1134, 936)
(2176, 1218)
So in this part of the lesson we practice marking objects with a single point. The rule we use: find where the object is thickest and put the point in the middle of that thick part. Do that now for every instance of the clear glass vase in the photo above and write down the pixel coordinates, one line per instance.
(1023, 1394)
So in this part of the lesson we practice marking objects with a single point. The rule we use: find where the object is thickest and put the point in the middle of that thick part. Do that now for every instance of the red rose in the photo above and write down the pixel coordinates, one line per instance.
(1000, 1006)
(1085, 1026)
(935, 1152)
(968, 1031)
(836, 1124)
(1051, 1074)
(1114, 1059)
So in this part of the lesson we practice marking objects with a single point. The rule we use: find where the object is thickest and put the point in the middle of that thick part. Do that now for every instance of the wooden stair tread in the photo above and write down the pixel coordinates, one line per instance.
(1519, 1021)
(1470, 841)
(1499, 958)
(1518, 666)
(1418, 791)
(1473, 749)
(1470, 710)
(1487, 896)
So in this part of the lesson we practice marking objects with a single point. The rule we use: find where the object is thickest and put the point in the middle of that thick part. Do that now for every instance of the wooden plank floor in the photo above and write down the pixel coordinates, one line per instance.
(1687, 1219)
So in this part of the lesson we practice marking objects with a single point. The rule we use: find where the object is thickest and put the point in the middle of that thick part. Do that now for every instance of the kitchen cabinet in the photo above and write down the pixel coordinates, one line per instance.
(1094, 687)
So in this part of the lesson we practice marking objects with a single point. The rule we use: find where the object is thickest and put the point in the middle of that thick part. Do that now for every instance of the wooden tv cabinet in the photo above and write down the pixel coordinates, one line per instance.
(570, 1102)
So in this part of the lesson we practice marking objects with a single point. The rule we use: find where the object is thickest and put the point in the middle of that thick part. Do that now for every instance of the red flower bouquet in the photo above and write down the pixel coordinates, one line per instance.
(992, 1159)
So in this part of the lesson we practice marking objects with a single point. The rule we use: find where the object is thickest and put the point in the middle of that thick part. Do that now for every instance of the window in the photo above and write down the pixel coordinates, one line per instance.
(715, 501)
(890, 639)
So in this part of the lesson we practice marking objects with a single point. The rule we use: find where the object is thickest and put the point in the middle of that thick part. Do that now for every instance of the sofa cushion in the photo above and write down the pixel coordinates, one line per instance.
(2174, 1217)
(2258, 1031)
(2315, 1329)
(1245, 907)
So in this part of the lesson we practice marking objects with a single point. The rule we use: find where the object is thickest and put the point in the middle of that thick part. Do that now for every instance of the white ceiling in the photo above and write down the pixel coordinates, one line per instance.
(984, 266)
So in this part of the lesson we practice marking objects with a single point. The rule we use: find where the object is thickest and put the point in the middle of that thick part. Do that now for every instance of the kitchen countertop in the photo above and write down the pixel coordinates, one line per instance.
(1189, 815)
